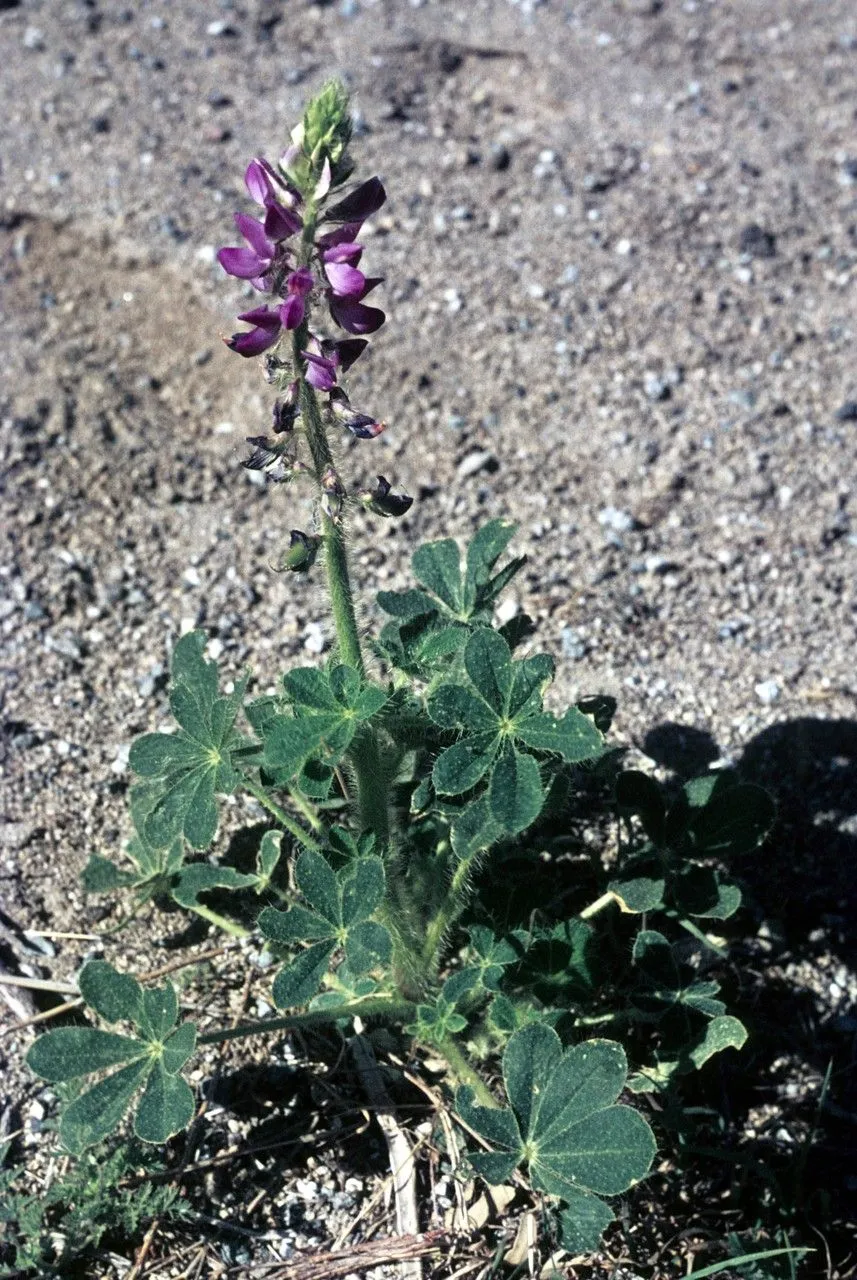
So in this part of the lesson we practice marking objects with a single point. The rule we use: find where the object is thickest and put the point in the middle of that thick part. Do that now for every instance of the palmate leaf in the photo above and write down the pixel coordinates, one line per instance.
(153, 1058)
(189, 767)
(328, 708)
(500, 719)
(722, 1032)
(666, 984)
(337, 913)
(432, 624)
(564, 1124)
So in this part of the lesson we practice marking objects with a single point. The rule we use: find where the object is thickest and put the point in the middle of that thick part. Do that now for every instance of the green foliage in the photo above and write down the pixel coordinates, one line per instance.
(337, 911)
(108, 1193)
(190, 766)
(328, 709)
(713, 817)
(153, 1058)
(563, 1123)
(500, 724)
(433, 622)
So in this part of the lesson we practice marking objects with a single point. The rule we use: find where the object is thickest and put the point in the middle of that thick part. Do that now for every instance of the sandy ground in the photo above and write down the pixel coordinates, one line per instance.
(620, 257)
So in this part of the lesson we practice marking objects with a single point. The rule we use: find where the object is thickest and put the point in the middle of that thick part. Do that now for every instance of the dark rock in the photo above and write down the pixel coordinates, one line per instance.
(757, 242)
(847, 412)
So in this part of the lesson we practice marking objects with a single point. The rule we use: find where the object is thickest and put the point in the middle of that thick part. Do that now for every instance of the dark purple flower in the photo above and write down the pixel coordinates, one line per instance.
(278, 199)
(350, 313)
(326, 358)
(287, 410)
(361, 425)
(362, 202)
(299, 284)
(264, 334)
(383, 502)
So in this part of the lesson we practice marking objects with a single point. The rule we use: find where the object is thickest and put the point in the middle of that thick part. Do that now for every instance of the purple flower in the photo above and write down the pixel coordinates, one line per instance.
(278, 199)
(361, 425)
(266, 329)
(349, 311)
(383, 502)
(299, 284)
(251, 264)
(325, 359)
(362, 202)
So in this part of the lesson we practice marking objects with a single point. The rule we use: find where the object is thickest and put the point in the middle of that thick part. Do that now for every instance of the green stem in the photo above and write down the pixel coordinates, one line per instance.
(214, 917)
(465, 1073)
(294, 828)
(447, 913)
(374, 1006)
(304, 807)
(364, 754)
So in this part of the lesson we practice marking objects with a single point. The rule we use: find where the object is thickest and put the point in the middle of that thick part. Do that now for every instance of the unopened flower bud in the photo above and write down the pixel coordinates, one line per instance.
(333, 494)
(383, 502)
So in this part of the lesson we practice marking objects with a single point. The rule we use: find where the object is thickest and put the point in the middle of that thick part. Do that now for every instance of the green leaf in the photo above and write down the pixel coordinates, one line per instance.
(570, 1133)
(406, 604)
(178, 1047)
(200, 877)
(452, 706)
(268, 857)
(721, 1033)
(295, 925)
(531, 678)
(667, 983)
(698, 891)
(733, 822)
(160, 1010)
(193, 764)
(367, 945)
(437, 566)
(166, 1107)
(515, 795)
(583, 1219)
(298, 981)
(315, 878)
(99, 1111)
(362, 889)
(637, 894)
(488, 663)
(100, 875)
(111, 994)
(574, 737)
(71, 1052)
(475, 829)
(485, 549)
(290, 742)
(461, 766)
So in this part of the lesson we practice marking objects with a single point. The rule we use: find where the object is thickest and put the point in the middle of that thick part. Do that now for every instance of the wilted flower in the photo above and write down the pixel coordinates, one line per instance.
(303, 549)
(287, 410)
(362, 425)
(383, 502)
(272, 457)
(360, 204)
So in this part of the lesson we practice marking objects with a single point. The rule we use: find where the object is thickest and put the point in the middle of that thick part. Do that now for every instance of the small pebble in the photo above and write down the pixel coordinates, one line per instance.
(768, 692)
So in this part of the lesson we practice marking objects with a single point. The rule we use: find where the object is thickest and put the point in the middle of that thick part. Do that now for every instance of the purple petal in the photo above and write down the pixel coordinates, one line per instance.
(320, 372)
(354, 317)
(252, 343)
(364, 427)
(345, 281)
(254, 233)
(280, 223)
(257, 180)
(265, 317)
(361, 203)
(243, 263)
(301, 281)
(349, 350)
(348, 251)
(347, 233)
(292, 311)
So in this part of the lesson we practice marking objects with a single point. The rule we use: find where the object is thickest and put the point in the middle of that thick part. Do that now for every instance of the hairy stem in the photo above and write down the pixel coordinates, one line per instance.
(215, 918)
(371, 1007)
(446, 915)
(598, 905)
(466, 1074)
(293, 828)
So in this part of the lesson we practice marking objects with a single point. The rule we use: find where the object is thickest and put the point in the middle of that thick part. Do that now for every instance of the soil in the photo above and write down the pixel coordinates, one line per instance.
(620, 262)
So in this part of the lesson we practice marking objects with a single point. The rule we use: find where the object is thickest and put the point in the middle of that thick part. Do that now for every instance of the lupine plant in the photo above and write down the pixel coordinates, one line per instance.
(423, 865)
